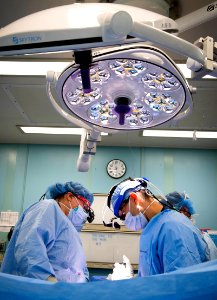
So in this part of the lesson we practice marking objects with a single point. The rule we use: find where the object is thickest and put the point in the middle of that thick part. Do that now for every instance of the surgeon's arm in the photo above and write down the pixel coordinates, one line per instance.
(36, 236)
(177, 247)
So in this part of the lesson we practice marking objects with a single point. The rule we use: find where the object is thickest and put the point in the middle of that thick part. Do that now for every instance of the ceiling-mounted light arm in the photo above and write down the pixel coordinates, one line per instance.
(116, 26)
(51, 79)
(198, 17)
(89, 139)
(209, 47)
(84, 59)
(76, 27)
(167, 40)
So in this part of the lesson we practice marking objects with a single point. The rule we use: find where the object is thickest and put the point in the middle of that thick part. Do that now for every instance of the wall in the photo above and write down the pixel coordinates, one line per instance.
(27, 170)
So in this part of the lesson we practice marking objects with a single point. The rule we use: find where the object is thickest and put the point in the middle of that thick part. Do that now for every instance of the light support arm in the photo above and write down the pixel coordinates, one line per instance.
(116, 26)
(107, 24)
(167, 40)
(88, 143)
(197, 17)
(87, 26)
(209, 47)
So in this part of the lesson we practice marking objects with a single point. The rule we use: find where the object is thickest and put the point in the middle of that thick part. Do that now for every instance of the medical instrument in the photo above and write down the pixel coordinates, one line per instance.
(90, 92)
(122, 270)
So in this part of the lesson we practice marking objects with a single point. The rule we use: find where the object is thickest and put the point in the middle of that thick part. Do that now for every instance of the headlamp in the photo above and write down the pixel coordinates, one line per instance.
(87, 208)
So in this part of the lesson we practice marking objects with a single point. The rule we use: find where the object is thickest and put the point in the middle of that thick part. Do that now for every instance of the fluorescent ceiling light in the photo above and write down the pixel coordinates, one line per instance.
(53, 130)
(168, 133)
(206, 135)
(30, 68)
(181, 134)
(38, 68)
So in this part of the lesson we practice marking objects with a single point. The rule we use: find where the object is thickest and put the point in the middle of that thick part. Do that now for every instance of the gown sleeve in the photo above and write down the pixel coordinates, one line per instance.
(179, 247)
(211, 246)
(36, 236)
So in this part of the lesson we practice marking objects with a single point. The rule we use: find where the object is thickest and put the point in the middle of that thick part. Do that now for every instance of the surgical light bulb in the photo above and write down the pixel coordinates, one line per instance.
(126, 67)
(134, 87)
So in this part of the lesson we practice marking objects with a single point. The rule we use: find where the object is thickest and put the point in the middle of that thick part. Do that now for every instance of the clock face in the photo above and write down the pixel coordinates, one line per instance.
(116, 168)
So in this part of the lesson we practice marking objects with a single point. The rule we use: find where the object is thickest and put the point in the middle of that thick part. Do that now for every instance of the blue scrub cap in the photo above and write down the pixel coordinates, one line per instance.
(122, 192)
(58, 189)
(179, 200)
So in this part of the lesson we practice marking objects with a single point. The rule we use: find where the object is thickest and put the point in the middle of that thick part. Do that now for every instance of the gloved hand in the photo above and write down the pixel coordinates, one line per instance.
(122, 271)
(52, 279)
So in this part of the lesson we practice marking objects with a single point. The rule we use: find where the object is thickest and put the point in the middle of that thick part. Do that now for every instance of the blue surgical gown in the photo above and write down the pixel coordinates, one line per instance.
(170, 241)
(44, 243)
(211, 246)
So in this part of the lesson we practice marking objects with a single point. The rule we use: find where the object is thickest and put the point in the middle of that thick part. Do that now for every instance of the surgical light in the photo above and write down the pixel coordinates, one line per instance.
(132, 87)
(122, 88)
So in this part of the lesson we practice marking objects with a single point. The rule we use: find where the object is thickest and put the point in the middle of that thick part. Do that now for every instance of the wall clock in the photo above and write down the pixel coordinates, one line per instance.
(116, 168)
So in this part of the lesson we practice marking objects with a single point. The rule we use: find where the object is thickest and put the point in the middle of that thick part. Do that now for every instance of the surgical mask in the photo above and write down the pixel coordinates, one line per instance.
(135, 223)
(78, 217)
(139, 221)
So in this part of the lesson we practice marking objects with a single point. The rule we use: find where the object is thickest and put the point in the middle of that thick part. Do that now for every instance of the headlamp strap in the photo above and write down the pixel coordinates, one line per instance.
(113, 189)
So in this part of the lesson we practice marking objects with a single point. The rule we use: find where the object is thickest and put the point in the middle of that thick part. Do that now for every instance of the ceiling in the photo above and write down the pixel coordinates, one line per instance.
(24, 101)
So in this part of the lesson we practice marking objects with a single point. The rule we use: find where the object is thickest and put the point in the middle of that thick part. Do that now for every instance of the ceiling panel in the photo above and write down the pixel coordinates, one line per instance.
(36, 105)
(203, 115)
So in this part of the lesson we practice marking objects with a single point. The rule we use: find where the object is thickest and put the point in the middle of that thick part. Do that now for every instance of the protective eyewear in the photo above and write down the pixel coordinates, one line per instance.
(85, 201)
(126, 201)
(87, 208)
(123, 214)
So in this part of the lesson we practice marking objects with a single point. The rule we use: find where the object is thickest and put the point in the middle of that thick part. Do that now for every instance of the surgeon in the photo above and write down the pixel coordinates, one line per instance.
(169, 240)
(45, 243)
(182, 203)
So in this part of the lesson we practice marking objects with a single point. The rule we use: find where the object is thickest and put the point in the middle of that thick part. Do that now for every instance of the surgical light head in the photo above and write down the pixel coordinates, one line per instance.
(131, 87)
